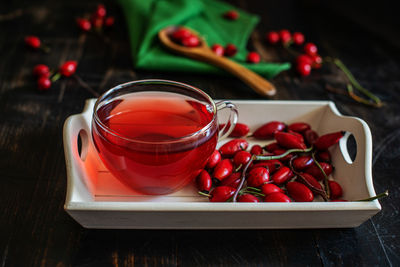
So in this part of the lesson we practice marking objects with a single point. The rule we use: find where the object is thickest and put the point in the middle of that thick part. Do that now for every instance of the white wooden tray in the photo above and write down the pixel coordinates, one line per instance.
(96, 199)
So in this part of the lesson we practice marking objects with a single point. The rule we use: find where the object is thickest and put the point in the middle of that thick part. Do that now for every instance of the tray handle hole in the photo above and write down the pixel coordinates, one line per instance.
(82, 142)
(348, 146)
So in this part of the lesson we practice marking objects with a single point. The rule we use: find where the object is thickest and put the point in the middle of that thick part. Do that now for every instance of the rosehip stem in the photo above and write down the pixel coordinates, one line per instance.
(376, 101)
(242, 178)
(204, 194)
(254, 188)
(326, 181)
(294, 150)
(56, 77)
(238, 168)
(381, 195)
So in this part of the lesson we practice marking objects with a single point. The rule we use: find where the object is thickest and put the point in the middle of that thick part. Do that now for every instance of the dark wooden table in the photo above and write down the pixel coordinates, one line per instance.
(36, 231)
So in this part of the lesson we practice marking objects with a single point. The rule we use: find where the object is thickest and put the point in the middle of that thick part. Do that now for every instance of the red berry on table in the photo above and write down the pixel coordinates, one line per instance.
(191, 41)
(298, 38)
(231, 15)
(84, 24)
(316, 61)
(230, 148)
(267, 189)
(218, 49)
(109, 21)
(241, 158)
(32, 41)
(223, 169)
(304, 58)
(230, 50)
(273, 37)
(43, 83)
(285, 36)
(41, 70)
(101, 11)
(253, 57)
(303, 68)
(256, 150)
(258, 176)
(68, 68)
(310, 49)
(268, 130)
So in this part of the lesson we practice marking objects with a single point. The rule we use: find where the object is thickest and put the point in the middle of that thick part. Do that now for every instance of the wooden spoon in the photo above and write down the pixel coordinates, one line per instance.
(204, 53)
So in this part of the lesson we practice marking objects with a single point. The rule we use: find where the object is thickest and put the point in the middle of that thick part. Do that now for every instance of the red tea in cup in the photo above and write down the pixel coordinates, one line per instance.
(153, 141)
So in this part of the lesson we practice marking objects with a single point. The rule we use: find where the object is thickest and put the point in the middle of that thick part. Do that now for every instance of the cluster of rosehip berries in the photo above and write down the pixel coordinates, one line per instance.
(185, 37)
(307, 60)
(42, 73)
(97, 20)
(294, 167)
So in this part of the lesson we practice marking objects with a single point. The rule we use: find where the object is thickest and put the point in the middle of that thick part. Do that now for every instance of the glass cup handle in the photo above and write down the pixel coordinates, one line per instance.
(232, 119)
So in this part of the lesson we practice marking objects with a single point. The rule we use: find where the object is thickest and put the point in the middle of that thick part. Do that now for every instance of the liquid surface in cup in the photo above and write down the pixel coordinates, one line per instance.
(148, 147)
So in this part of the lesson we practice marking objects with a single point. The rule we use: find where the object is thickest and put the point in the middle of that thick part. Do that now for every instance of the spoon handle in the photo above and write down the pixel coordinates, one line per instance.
(252, 79)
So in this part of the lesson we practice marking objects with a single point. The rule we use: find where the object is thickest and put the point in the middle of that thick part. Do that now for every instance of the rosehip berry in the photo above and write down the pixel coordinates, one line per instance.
(218, 49)
(253, 57)
(223, 169)
(324, 156)
(268, 130)
(328, 140)
(282, 175)
(335, 189)
(241, 158)
(316, 61)
(231, 15)
(304, 69)
(257, 177)
(299, 127)
(308, 179)
(44, 83)
(232, 180)
(240, 130)
(310, 49)
(315, 171)
(289, 140)
(41, 70)
(285, 36)
(256, 150)
(204, 181)
(310, 136)
(272, 37)
(304, 58)
(180, 34)
(68, 68)
(230, 50)
(298, 38)
(248, 198)
(272, 165)
(272, 147)
(213, 159)
(84, 24)
(101, 11)
(109, 21)
(230, 148)
(32, 41)
(299, 192)
(268, 189)
(222, 193)
(277, 197)
(191, 41)
(302, 162)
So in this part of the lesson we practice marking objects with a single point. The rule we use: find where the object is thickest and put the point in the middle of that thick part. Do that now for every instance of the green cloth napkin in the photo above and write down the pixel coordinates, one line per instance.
(146, 17)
